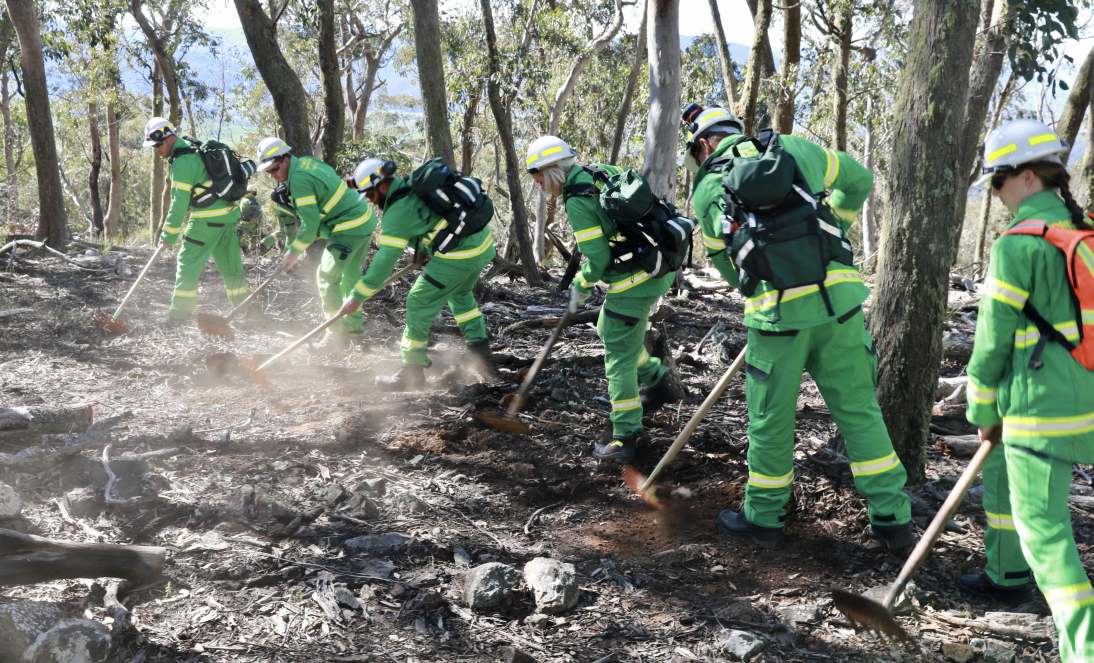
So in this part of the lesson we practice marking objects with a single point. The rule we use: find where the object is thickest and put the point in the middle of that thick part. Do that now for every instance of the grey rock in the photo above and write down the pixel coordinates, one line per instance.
(409, 503)
(537, 619)
(21, 622)
(360, 505)
(802, 613)
(958, 652)
(903, 603)
(378, 544)
(490, 585)
(377, 568)
(332, 494)
(998, 651)
(10, 503)
(740, 610)
(513, 655)
(375, 487)
(71, 641)
(553, 583)
(346, 599)
(461, 557)
(741, 645)
(84, 502)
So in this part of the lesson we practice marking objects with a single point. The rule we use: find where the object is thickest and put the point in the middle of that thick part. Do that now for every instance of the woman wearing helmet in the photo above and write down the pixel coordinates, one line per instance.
(1033, 396)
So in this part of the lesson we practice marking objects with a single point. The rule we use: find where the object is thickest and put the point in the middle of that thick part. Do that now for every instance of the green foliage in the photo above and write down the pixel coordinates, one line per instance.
(1039, 28)
(353, 152)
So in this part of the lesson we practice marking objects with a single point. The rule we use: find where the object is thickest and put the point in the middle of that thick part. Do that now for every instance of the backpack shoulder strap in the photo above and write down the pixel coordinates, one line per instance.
(1032, 227)
(585, 189)
(766, 138)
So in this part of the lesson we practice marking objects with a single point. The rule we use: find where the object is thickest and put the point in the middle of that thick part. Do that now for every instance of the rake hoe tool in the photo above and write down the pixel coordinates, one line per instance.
(215, 325)
(879, 616)
(112, 324)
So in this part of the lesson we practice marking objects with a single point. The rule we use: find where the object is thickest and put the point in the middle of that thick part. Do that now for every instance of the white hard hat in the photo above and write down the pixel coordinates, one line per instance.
(1019, 142)
(701, 121)
(269, 149)
(545, 151)
(156, 130)
(371, 172)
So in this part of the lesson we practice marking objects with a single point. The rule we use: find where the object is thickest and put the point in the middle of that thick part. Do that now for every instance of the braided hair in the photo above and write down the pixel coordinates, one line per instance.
(1054, 175)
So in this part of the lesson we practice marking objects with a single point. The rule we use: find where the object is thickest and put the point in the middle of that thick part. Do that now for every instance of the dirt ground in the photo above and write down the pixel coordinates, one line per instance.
(266, 483)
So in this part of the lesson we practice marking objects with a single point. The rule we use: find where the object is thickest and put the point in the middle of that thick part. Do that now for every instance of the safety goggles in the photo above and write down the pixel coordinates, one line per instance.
(157, 137)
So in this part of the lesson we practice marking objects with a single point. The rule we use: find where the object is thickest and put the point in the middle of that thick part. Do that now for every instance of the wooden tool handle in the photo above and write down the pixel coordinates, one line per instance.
(247, 300)
(159, 247)
(938, 524)
(522, 393)
(696, 419)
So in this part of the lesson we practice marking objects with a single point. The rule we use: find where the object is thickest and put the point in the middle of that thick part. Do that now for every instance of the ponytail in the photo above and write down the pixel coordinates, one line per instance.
(1054, 175)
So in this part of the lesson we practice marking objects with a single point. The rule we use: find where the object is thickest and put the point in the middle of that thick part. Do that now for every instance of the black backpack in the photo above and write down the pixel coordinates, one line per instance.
(228, 173)
(456, 198)
(650, 234)
(776, 229)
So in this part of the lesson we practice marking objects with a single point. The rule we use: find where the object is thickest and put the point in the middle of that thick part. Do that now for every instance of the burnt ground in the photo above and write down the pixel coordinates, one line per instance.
(265, 483)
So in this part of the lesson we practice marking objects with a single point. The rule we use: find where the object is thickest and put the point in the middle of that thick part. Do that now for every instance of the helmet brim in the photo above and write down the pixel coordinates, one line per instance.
(150, 143)
(982, 180)
(266, 165)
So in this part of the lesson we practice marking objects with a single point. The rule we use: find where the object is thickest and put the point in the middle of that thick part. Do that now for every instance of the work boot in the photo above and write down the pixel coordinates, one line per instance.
(660, 394)
(620, 450)
(407, 378)
(486, 367)
(734, 523)
(899, 540)
(981, 585)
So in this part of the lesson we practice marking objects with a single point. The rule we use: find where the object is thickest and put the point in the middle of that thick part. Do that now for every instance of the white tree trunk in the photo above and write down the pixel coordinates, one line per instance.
(664, 100)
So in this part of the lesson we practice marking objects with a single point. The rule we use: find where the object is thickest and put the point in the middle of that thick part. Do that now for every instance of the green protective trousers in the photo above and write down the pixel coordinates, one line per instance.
(839, 355)
(1006, 565)
(201, 240)
(339, 270)
(1039, 487)
(622, 327)
(443, 281)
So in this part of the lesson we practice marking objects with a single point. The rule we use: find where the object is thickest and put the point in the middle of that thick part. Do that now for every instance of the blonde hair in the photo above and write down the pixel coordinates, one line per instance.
(555, 175)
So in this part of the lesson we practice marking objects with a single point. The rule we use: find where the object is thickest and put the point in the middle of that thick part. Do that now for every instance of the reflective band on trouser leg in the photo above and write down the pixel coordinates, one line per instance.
(462, 277)
(1039, 498)
(844, 367)
(228, 257)
(624, 336)
(1005, 563)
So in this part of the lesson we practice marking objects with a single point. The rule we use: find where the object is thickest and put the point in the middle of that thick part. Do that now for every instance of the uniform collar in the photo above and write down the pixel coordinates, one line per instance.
(397, 185)
(723, 147)
(573, 173)
(181, 144)
(1044, 206)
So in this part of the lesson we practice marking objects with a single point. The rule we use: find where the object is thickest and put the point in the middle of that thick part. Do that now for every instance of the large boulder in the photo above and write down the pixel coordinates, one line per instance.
(553, 583)
(71, 641)
(21, 622)
(491, 585)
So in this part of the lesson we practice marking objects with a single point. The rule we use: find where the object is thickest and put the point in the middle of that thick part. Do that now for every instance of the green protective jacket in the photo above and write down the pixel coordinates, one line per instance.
(324, 204)
(187, 174)
(849, 184)
(408, 222)
(592, 228)
(1051, 408)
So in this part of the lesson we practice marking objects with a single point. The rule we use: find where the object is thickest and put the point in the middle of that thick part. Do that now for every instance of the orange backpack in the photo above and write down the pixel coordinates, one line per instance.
(1078, 249)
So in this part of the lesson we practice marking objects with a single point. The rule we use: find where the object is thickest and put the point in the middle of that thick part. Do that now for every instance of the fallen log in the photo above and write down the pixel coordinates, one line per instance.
(36, 458)
(27, 559)
(960, 446)
(36, 419)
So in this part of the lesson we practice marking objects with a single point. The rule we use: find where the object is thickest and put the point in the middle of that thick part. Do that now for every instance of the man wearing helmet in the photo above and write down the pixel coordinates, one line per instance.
(814, 328)
(329, 210)
(626, 310)
(211, 231)
(449, 277)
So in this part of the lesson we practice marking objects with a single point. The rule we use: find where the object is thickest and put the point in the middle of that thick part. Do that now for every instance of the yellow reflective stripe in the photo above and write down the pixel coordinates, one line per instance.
(410, 344)
(1042, 138)
(172, 230)
(467, 254)
(1026, 338)
(470, 315)
(632, 281)
(980, 394)
(582, 282)
(626, 405)
(1004, 292)
(354, 223)
(866, 468)
(182, 186)
(588, 234)
(713, 243)
(364, 290)
(237, 291)
(1088, 317)
(999, 520)
(1086, 254)
(393, 241)
(186, 293)
(1002, 152)
(768, 481)
(1048, 426)
(831, 168)
(305, 200)
(298, 246)
(211, 213)
(271, 152)
(333, 200)
(1070, 330)
(771, 298)
(643, 357)
(1070, 596)
(545, 153)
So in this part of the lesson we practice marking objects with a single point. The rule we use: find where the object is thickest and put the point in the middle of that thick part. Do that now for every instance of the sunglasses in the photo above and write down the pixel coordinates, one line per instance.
(999, 177)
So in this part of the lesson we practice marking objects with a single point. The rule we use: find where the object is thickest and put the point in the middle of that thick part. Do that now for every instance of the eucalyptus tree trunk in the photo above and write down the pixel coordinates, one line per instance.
(467, 132)
(924, 178)
(869, 209)
(663, 120)
(96, 167)
(289, 97)
(725, 60)
(427, 45)
(52, 221)
(1072, 118)
(985, 206)
(767, 58)
(164, 59)
(628, 92)
(114, 206)
(334, 105)
(842, 62)
(157, 189)
(7, 34)
(792, 45)
(1088, 161)
(513, 169)
(755, 63)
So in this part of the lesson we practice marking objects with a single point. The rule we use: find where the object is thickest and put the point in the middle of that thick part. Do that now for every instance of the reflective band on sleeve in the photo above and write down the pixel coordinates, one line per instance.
(211, 213)
(1069, 597)
(866, 468)
(181, 186)
(364, 290)
(632, 281)
(299, 246)
(467, 254)
(999, 520)
(1008, 294)
(768, 481)
(1048, 426)
(338, 193)
(626, 405)
(643, 357)
(393, 241)
(831, 168)
(408, 344)
(1042, 138)
(232, 292)
(468, 316)
(305, 200)
(1026, 338)
(186, 294)
(588, 234)
(1002, 152)
(770, 298)
(713, 243)
(354, 223)
(980, 394)
(172, 230)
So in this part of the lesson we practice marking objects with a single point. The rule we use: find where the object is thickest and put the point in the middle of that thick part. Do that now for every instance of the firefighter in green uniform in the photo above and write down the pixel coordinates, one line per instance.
(285, 217)
(211, 231)
(250, 220)
(1029, 391)
(631, 294)
(330, 210)
(796, 330)
(448, 277)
